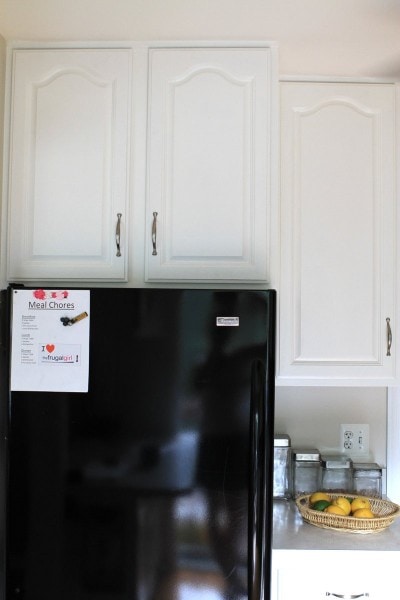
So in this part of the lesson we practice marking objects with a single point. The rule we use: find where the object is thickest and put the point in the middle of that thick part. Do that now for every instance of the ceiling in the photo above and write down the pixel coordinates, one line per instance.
(315, 37)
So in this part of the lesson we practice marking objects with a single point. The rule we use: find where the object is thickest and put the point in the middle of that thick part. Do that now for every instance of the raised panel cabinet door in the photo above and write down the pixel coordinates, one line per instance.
(68, 172)
(338, 213)
(209, 180)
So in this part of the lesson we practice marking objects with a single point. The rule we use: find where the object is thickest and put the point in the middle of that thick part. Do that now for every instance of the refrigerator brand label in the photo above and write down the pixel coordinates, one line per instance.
(227, 321)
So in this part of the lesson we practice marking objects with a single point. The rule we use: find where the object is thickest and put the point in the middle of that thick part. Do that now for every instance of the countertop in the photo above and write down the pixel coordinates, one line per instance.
(290, 532)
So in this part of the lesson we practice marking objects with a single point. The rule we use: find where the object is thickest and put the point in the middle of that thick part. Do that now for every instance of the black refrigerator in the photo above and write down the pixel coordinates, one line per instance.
(156, 483)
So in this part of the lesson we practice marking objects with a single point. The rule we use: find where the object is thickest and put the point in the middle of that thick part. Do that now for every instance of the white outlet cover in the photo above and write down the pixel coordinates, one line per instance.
(354, 439)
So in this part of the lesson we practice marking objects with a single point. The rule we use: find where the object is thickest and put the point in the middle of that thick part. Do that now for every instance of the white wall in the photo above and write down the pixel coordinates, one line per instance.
(312, 415)
(326, 37)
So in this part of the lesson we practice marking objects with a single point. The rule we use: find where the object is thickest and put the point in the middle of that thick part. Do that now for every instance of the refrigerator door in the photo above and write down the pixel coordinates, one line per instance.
(156, 484)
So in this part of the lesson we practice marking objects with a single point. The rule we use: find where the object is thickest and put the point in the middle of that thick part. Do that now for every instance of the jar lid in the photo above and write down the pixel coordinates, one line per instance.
(337, 462)
(367, 469)
(309, 454)
(281, 440)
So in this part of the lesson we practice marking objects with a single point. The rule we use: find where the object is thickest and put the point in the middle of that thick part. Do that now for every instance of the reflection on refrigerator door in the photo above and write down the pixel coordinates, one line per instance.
(157, 525)
(201, 541)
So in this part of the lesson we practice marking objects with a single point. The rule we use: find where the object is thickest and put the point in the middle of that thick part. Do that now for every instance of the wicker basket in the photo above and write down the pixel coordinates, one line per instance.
(384, 510)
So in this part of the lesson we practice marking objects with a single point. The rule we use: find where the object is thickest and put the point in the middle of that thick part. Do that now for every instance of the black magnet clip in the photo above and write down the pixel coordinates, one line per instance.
(67, 321)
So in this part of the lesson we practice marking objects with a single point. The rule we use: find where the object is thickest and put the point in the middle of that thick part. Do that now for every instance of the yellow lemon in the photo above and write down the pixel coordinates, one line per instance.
(363, 513)
(343, 503)
(318, 496)
(336, 510)
(360, 502)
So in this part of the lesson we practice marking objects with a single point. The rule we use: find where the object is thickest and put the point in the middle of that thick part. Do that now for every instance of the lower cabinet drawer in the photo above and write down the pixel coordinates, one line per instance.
(329, 584)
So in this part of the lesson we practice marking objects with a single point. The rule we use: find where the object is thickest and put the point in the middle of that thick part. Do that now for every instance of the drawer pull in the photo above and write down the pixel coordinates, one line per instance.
(348, 596)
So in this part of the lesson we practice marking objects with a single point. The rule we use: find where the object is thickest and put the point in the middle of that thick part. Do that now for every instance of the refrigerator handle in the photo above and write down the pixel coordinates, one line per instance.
(257, 489)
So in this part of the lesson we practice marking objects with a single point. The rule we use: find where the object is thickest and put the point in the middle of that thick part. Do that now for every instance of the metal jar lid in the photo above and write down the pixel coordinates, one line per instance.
(367, 470)
(281, 440)
(306, 454)
(337, 462)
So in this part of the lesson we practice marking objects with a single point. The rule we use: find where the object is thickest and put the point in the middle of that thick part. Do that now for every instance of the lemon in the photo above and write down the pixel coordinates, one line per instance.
(363, 513)
(319, 496)
(343, 503)
(360, 502)
(336, 510)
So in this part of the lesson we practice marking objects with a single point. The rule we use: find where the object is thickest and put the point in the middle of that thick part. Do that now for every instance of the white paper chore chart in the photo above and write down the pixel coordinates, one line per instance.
(50, 340)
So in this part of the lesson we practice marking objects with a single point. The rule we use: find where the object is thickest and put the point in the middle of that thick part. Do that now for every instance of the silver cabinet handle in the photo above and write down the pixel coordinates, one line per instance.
(389, 337)
(118, 234)
(348, 596)
(154, 233)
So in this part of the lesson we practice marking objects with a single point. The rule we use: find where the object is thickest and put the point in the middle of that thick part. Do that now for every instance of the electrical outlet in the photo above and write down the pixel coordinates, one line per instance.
(354, 439)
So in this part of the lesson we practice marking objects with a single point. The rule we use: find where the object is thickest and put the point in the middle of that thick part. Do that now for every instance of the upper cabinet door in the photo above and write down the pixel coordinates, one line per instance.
(338, 234)
(68, 172)
(210, 213)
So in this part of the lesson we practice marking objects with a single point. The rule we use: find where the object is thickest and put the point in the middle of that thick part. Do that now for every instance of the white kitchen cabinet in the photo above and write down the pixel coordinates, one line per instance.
(211, 206)
(313, 575)
(313, 563)
(68, 167)
(338, 249)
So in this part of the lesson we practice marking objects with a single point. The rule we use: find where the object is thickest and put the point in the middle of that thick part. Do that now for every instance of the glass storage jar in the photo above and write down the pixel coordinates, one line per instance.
(337, 473)
(306, 471)
(282, 466)
(367, 479)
